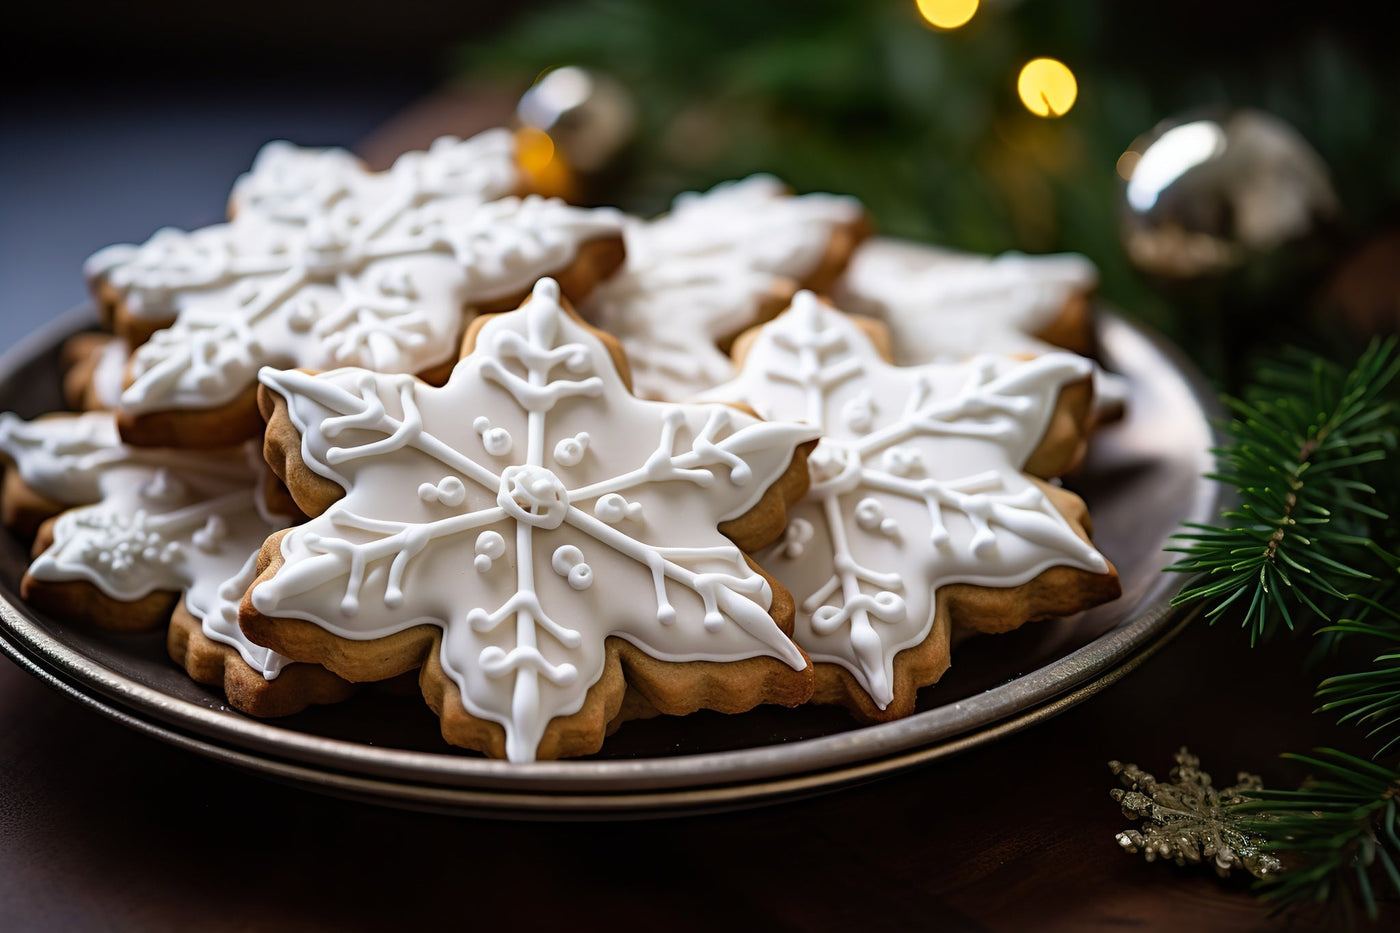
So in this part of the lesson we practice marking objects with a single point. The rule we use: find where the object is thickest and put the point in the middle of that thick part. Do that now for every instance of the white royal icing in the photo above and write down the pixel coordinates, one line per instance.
(916, 483)
(591, 513)
(945, 305)
(109, 373)
(326, 264)
(144, 520)
(701, 272)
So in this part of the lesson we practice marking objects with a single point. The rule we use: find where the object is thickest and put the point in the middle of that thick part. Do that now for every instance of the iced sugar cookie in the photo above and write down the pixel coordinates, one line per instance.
(140, 538)
(925, 513)
(325, 264)
(534, 537)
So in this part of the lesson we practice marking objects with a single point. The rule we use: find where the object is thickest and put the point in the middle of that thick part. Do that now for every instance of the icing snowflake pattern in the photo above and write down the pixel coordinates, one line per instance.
(524, 529)
(701, 272)
(144, 520)
(326, 264)
(916, 483)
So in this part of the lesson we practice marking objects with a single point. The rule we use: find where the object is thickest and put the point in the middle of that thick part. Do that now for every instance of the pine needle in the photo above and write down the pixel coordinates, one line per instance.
(1302, 542)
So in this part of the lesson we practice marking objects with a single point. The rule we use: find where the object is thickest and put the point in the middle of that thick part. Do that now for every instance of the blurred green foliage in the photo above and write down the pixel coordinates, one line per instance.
(926, 127)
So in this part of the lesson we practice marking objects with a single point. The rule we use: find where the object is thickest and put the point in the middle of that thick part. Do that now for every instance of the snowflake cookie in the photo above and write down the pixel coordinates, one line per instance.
(535, 537)
(717, 264)
(942, 305)
(921, 518)
(946, 305)
(326, 264)
(143, 537)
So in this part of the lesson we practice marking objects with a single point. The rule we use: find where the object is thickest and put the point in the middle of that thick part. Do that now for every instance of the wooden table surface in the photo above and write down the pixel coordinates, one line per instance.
(101, 828)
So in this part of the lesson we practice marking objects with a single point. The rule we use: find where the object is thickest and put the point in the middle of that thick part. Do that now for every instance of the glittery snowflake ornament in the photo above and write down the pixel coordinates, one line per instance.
(533, 509)
(326, 264)
(917, 483)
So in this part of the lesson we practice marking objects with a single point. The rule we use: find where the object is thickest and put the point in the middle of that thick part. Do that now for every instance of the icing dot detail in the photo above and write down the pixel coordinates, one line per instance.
(859, 413)
(208, 538)
(123, 546)
(870, 515)
(569, 451)
(301, 316)
(799, 532)
(163, 489)
(613, 508)
(449, 491)
(497, 441)
(490, 547)
(568, 562)
(901, 461)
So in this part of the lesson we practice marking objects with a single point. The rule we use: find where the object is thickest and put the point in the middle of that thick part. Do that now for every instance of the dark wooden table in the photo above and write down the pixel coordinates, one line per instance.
(101, 828)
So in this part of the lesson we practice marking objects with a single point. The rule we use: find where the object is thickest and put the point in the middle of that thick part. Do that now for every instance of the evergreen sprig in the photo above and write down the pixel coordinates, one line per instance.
(1338, 835)
(1312, 452)
(1371, 698)
(1301, 540)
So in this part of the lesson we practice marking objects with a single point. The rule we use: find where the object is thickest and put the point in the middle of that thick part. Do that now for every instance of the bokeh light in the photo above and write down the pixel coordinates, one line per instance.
(1047, 87)
(542, 163)
(947, 14)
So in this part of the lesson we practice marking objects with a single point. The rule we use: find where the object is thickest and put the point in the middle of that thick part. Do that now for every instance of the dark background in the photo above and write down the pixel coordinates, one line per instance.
(117, 118)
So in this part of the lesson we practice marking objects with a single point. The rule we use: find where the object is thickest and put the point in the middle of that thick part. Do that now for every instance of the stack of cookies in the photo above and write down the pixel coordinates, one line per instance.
(570, 466)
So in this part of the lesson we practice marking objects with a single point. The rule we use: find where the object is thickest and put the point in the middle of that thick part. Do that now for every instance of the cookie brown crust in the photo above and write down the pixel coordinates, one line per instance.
(845, 239)
(117, 318)
(1066, 439)
(217, 665)
(633, 685)
(22, 509)
(81, 601)
(225, 425)
(79, 357)
(1072, 327)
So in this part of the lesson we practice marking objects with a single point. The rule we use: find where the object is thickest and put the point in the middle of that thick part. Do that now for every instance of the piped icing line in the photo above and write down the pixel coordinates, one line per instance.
(916, 483)
(326, 264)
(143, 520)
(514, 529)
(704, 271)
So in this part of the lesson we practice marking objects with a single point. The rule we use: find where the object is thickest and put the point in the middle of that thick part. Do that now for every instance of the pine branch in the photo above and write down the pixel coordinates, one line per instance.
(1299, 448)
(1370, 698)
(1338, 834)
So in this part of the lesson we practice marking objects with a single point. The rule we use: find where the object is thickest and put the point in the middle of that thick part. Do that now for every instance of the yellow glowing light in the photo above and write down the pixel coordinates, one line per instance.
(533, 148)
(1047, 87)
(947, 14)
(545, 166)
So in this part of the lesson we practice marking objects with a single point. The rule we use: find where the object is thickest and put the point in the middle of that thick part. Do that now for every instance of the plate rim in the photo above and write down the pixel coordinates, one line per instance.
(633, 804)
(270, 747)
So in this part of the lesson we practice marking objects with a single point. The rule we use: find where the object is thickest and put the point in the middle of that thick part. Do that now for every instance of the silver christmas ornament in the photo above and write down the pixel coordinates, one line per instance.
(1206, 194)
